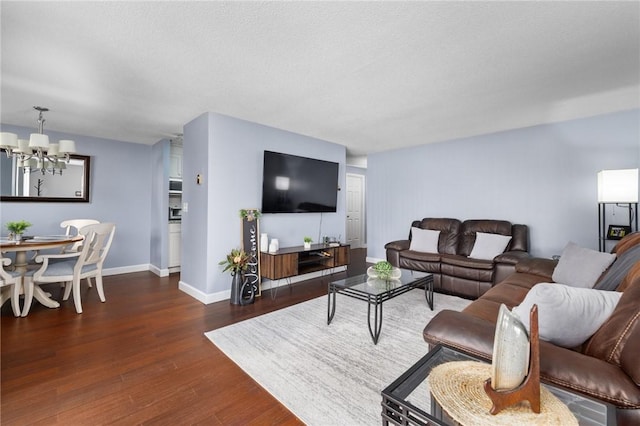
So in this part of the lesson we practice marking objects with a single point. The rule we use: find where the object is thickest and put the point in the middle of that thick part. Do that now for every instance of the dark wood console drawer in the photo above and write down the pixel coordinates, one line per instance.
(280, 266)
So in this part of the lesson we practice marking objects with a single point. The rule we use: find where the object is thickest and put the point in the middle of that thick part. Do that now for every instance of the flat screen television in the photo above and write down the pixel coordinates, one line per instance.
(292, 184)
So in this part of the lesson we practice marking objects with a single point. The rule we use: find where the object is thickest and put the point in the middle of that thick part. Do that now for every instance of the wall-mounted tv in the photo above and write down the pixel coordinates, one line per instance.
(292, 184)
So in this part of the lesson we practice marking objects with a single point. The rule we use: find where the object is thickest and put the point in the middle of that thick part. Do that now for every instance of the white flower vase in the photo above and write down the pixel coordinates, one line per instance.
(307, 246)
(394, 274)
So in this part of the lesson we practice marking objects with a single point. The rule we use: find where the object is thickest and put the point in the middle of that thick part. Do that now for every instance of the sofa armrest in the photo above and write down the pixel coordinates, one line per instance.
(398, 245)
(537, 266)
(461, 331)
(512, 257)
(393, 251)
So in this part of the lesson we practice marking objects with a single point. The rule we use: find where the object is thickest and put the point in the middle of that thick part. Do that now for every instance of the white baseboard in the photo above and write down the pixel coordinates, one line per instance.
(373, 259)
(205, 298)
(159, 272)
(126, 269)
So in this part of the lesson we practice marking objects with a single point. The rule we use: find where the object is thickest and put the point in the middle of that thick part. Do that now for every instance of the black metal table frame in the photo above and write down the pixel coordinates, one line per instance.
(377, 300)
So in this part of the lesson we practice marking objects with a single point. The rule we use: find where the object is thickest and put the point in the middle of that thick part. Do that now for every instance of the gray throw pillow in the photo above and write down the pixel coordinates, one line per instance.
(619, 269)
(581, 267)
(424, 240)
(567, 316)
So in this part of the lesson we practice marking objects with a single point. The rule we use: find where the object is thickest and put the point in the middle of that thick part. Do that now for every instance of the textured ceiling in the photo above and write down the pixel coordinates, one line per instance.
(371, 76)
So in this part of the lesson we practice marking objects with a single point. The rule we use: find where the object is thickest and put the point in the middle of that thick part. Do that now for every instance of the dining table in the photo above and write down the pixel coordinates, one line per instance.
(21, 263)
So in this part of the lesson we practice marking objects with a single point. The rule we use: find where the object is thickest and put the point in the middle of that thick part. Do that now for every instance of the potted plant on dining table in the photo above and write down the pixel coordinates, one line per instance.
(17, 228)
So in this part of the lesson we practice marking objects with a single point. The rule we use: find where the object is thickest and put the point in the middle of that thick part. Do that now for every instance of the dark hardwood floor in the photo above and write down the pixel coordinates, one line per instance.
(139, 358)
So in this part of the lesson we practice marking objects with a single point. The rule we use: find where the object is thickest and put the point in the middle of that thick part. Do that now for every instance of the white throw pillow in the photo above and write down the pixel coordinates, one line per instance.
(581, 267)
(488, 246)
(425, 240)
(567, 316)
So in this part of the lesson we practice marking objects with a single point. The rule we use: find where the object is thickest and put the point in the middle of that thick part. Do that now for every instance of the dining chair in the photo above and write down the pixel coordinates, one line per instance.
(73, 227)
(73, 267)
(11, 279)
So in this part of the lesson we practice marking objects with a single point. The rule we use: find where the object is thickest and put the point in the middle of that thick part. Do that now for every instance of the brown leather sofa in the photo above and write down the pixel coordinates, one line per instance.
(606, 367)
(454, 272)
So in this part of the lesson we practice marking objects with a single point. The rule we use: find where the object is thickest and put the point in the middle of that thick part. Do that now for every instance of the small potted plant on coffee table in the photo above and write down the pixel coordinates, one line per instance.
(384, 270)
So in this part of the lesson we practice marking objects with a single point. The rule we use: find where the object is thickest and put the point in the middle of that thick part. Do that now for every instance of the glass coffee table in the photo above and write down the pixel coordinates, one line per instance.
(401, 401)
(376, 291)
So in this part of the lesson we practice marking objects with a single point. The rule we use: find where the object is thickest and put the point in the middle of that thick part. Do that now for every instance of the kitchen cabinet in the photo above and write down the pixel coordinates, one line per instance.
(175, 161)
(175, 244)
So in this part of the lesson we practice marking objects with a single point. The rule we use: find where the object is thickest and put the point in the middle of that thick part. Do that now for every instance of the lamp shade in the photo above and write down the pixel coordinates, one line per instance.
(53, 149)
(23, 146)
(67, 146)
(618, 186)
(8, 140)
(38, 140)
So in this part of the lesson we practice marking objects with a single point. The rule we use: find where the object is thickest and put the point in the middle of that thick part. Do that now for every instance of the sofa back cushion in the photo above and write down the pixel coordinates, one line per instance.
(626, 243)
(616, 273)
(520, 238)
(617, 340)
(449, 232)
(471, 227)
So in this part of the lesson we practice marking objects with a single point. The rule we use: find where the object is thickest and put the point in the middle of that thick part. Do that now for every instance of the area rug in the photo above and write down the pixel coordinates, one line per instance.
(333, 374)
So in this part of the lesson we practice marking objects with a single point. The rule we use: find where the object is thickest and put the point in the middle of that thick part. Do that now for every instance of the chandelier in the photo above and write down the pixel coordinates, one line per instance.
(36, 153)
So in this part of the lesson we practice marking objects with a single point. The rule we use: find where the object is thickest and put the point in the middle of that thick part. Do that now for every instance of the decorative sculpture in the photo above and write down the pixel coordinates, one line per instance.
(529, 389)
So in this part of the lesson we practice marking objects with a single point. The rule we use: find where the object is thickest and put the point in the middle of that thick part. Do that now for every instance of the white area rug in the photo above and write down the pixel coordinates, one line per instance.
(332, 374)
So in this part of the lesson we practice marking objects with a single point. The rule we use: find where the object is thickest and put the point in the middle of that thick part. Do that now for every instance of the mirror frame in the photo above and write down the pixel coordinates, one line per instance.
(83, 199)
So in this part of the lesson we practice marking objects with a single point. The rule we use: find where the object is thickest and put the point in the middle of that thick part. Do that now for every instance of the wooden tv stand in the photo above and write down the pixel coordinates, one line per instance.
(291, 261)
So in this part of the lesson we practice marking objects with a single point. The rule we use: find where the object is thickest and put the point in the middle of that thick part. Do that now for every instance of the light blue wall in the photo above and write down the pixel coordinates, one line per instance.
(542, 176)
(196, 261)
(120, 193)
(228, 152)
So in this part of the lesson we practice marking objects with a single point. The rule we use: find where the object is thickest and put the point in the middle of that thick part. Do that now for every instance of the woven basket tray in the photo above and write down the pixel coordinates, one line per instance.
(458, 388)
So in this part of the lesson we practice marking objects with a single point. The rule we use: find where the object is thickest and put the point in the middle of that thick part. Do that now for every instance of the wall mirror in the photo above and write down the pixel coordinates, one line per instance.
(70, 186)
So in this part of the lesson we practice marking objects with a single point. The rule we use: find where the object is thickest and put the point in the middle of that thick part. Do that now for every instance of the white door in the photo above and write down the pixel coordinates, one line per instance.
(355, 210)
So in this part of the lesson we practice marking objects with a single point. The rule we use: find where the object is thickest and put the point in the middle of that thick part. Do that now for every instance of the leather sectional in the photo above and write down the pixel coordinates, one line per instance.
(454, 272)
(605, 367)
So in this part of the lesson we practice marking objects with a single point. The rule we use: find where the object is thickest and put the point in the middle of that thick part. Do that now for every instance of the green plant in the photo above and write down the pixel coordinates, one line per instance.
(383, 269)
(235, 261)
(250, 214)
(18, 227)
(307, 239)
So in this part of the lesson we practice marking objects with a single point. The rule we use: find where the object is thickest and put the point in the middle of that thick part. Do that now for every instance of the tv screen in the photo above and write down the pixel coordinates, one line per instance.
(292, 184)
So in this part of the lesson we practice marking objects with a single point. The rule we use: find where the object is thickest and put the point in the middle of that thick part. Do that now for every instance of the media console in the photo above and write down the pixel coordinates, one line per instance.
(291, 261)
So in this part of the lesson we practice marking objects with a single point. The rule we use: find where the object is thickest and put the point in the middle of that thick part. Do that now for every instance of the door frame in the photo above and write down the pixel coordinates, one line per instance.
(363, 214)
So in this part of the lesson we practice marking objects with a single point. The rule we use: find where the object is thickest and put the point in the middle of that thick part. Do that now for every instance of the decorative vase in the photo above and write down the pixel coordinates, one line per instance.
(247, 293)
(237, 279)
(510, 363)
(264, 242)
(17, 237)
(393, 274)
(307, 246)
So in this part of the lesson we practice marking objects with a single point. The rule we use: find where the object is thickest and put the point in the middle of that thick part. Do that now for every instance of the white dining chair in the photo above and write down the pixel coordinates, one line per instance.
(71, 268)
(11, 279)
(73, 227)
